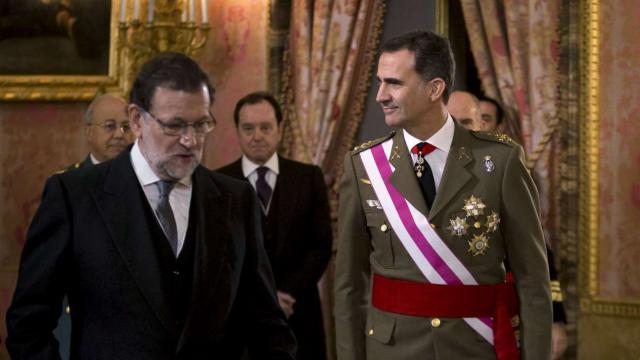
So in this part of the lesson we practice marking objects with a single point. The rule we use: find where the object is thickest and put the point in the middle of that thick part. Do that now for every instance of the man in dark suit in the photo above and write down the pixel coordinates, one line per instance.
(427, 217)
(160, 258)
(295, 217)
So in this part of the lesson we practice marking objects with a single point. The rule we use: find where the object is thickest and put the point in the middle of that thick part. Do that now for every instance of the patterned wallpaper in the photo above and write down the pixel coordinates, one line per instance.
(620, 150)
(37, 139)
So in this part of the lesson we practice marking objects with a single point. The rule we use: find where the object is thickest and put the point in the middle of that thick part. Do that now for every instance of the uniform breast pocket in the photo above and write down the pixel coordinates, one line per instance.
(381, 238)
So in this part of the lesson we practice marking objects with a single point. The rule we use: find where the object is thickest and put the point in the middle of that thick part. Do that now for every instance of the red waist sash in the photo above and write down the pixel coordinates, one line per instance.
(455, 301)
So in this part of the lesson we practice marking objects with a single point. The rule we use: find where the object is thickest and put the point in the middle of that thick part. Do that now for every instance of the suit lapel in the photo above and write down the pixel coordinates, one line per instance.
(235, 169)
(121, 204)
(285, 199)
(404, 178)
(211, 210)
(456, 174)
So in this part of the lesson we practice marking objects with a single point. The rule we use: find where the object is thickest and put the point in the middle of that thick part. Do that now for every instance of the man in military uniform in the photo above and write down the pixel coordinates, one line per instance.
(108, 133)
(427, 217)
(106, 127)
(462, 106)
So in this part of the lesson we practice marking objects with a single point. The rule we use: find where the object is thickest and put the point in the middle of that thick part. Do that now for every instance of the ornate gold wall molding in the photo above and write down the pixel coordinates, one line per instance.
(591, 299)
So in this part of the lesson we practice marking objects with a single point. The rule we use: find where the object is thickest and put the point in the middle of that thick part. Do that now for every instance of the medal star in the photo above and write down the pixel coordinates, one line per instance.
(458, 226)
(474, 206)
(478, 245)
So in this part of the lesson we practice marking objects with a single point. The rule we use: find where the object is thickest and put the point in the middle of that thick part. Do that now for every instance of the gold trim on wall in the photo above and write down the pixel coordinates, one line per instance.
(591, 301)
(442, 17)
(68, 87)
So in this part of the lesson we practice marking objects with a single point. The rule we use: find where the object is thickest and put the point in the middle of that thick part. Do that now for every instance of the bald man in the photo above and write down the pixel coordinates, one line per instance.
(465, 108)
(107, 128)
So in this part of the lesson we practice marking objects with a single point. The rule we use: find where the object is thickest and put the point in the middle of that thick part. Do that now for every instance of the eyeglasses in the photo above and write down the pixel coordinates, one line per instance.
(111, 126)
(177, 127)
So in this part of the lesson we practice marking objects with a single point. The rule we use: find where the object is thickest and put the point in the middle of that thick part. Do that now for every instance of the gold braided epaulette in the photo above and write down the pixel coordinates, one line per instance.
(493, 136)
(367, 144)
(70, 167)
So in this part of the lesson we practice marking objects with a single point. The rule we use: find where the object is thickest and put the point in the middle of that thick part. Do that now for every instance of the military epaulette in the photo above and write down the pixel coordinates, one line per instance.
(370, 143)
(492, 136)
(70, 167)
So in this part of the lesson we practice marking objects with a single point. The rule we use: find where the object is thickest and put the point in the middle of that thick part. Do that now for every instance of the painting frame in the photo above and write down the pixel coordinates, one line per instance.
(591, 300)
(70, 87)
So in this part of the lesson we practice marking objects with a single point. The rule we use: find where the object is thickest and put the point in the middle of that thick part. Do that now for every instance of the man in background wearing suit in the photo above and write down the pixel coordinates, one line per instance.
(295, 217)
(160, 257)
(427, 216)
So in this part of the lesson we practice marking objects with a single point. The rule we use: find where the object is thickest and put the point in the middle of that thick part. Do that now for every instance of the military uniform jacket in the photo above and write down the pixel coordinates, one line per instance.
(365, 247)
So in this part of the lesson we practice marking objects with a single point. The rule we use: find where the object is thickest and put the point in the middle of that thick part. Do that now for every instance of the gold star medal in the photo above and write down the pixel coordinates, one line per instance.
(478, 245)
(474, 206)
(458, 226)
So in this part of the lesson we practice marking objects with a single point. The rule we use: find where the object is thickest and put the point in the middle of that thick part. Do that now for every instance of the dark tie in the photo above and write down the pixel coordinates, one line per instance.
(423, 171)
(262, 187)
(165, 214)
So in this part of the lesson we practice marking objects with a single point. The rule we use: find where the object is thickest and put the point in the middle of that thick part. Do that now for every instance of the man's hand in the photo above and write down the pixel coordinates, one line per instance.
(286, 303)
(558, 340)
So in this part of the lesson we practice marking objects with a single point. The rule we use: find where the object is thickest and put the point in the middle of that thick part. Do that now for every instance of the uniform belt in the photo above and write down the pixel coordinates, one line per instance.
(455, 301)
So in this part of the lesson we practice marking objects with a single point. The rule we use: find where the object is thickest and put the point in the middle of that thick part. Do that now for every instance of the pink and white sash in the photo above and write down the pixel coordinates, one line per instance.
(433, 257)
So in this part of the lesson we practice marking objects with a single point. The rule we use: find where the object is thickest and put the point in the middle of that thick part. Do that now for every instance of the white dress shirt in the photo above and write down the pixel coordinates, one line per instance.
(94, 161)
(249, 170)
(179, 198)
(442, 141)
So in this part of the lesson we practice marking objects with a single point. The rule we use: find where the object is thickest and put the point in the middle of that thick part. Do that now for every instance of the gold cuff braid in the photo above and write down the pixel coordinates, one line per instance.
(556, 291)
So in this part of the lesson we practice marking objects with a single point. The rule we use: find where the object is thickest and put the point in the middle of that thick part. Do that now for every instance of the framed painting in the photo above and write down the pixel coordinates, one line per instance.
(58, 49)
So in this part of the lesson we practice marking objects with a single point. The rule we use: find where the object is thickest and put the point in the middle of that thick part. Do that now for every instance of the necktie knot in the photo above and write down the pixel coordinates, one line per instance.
(262, 171)
(423, 148)
(165, 187)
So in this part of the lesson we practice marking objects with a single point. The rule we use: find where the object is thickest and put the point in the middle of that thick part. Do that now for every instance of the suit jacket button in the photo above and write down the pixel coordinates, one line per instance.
(433, 226)
(435, 322)
(370, 332)
(384, 228)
